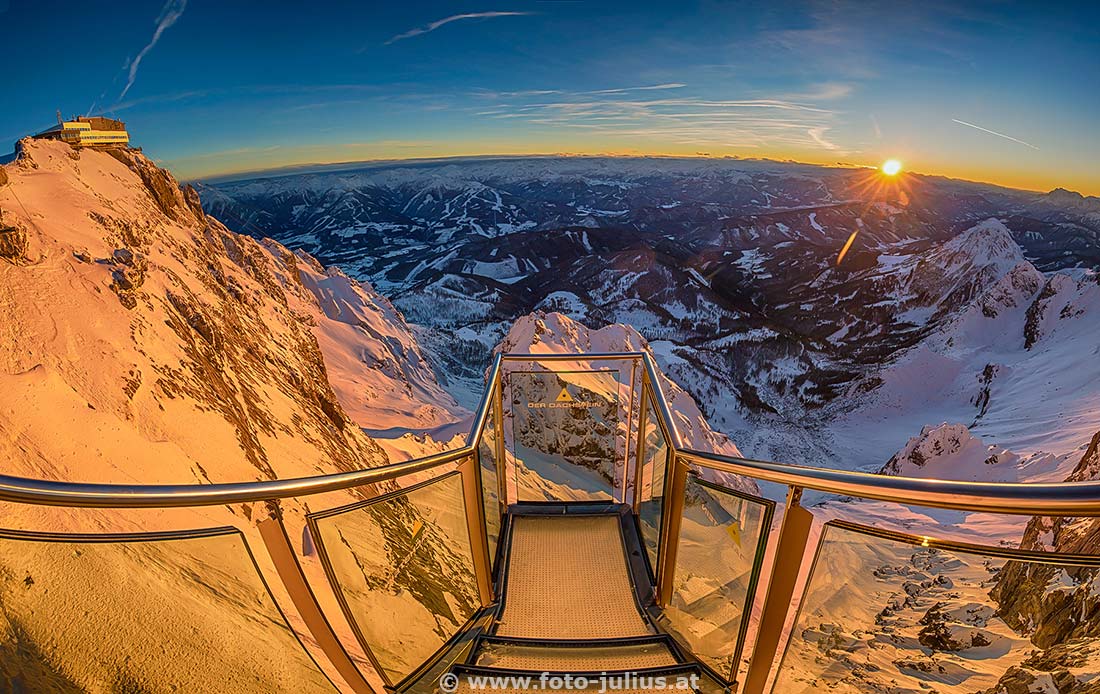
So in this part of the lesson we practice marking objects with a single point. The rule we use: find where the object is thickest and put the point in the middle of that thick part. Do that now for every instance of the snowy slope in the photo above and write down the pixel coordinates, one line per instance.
(144, 343)
(180, 351)
(1018, 365)
(374, 363)
(554, 333)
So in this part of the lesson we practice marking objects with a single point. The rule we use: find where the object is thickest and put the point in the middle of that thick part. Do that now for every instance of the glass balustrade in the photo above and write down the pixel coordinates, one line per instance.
(185, 611)
(490, 485)
(720, 549)
(388, 573)
(885, 611)
(403, 568)
(653, 465)
(566, 434)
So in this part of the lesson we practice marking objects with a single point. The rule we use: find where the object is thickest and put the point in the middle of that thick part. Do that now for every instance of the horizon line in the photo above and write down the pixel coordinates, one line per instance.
(317, 167)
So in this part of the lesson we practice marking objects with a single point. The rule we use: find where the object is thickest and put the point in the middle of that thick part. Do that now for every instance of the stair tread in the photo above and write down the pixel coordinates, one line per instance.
(586, 658)
(568, 578)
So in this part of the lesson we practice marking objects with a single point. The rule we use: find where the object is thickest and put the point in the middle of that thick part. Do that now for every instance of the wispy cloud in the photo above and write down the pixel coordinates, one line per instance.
(652, 87)
(427, 28)
(640, 112)
(825, 91)
(169, 15)
(993, 132)
(818, 136)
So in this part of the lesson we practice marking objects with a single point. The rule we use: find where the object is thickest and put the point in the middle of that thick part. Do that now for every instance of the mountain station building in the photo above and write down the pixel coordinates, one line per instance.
(88, 131)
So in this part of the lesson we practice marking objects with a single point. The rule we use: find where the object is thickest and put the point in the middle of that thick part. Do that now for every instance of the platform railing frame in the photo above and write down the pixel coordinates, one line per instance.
(1072, 499)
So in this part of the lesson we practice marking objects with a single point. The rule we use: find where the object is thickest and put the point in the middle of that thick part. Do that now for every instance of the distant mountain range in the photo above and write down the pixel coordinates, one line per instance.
(729, 269)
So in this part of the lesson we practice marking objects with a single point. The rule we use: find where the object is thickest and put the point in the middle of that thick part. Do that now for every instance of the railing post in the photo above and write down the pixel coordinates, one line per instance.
(675, 487)
(498, 428)
(297, 586)
(639, 458)
(790, 549)
(626, 478)
(470, 469)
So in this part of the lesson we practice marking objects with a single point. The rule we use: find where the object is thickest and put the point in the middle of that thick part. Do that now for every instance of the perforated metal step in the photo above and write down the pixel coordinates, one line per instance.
(567, 578)
(575, 656)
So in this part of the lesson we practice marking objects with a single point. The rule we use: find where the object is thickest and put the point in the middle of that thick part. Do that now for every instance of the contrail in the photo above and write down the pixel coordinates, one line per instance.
(993, 132)
(453, 18)
(169, 14)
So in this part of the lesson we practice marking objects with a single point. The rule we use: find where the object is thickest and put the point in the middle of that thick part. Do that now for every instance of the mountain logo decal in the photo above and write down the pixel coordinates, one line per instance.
(564, 396)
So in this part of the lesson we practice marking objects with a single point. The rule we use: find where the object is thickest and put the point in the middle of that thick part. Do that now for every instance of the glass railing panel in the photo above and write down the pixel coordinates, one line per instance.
(154, 612)
(566, 434)
(651, 477)
(403, 569)
(723, 535)
(490, 485)
(885, 611)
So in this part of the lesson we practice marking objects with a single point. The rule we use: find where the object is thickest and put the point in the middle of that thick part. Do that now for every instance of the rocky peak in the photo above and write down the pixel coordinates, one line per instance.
(1014, 289)
(951, 451)
(1069, 199)
(1056, 605)
(1053, 303)
(175, 350)
(555, 333)
(987, 243)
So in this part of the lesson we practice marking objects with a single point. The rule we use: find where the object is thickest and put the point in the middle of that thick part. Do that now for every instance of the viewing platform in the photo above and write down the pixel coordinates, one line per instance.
(574, 543)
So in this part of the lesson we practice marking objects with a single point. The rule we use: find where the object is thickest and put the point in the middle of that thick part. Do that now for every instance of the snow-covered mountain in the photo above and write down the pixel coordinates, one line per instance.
(555, 333)
(179, 351)
(145, 343)
(956, 302)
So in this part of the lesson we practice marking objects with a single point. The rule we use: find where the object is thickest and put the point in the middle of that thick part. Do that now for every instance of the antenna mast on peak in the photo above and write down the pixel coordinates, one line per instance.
(59, 121)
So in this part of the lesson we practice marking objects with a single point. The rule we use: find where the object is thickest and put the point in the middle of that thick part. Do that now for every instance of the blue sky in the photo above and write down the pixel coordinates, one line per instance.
(220, 87)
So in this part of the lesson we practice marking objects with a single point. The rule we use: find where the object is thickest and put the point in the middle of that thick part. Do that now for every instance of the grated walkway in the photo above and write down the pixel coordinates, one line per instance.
(568, 579)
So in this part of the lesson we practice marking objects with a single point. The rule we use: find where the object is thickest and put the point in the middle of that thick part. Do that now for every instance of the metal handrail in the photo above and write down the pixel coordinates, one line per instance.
(78, 494)
(1066, 498)
(484, 407)
(1080, 499)
(663, 410)
(1057, 499)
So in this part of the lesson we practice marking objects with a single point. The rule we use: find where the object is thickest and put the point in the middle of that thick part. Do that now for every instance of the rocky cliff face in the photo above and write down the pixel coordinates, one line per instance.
(1057, 607)
(145, 342)
(555, 333)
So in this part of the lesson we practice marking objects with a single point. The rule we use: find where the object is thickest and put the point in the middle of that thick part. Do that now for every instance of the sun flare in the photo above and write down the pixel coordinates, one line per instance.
(891, 167)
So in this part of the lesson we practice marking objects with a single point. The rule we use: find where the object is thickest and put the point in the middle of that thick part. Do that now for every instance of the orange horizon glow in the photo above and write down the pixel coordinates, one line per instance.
(261, 160)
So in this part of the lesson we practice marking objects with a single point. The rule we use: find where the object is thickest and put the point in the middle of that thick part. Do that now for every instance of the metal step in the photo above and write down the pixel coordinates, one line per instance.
(567, 577)
(575, 655)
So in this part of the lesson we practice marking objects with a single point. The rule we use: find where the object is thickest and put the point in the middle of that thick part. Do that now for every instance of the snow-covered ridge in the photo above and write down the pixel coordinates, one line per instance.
(147, 343)
(555, 333)
(951, 451)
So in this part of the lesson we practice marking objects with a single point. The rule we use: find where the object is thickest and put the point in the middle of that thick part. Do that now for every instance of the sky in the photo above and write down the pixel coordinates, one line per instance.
(1004, 92)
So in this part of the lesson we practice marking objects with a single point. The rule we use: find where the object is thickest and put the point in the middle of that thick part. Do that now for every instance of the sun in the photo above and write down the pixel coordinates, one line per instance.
(891, 167)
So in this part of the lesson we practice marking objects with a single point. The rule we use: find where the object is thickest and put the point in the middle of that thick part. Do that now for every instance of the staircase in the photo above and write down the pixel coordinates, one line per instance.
(572, 612)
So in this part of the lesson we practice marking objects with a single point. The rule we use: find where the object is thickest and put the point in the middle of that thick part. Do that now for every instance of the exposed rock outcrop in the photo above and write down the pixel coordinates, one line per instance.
(175, 349)
(555, 333)
(1058, 607)
(13, 241)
